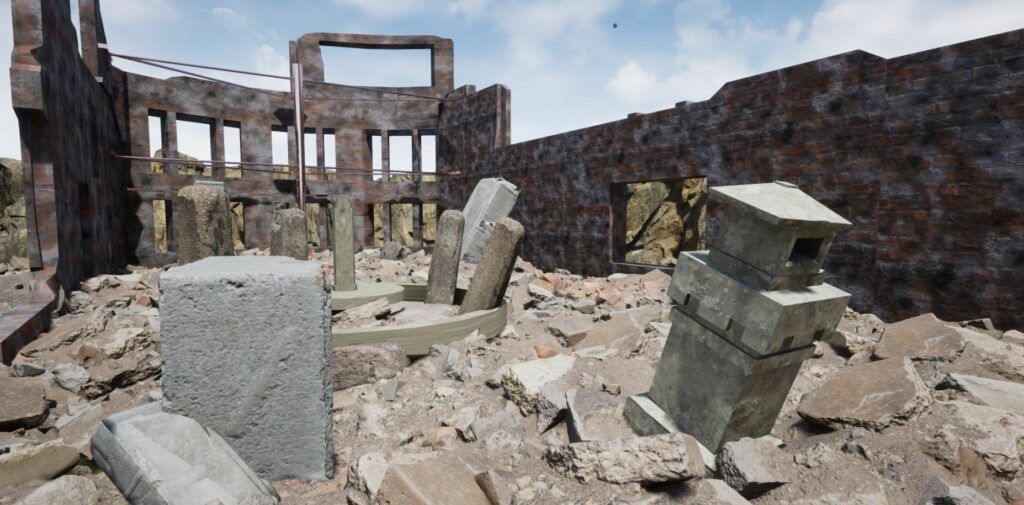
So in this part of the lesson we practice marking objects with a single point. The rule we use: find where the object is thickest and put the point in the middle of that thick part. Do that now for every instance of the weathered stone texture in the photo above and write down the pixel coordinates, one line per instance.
(487, 287)
(444, 262)
(288, 234)
(204, 224)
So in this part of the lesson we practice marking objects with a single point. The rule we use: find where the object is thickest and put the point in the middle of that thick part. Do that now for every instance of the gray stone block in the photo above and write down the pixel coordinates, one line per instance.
(491, 200)
(344, 245)
(156, 458)
(717, 392)
(288, 234)
(204, 223)
(759, 321)
(444, 264)
(246, 351)
(487, 287)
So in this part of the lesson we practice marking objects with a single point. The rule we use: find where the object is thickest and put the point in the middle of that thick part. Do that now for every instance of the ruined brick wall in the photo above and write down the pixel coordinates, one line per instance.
(922, 153)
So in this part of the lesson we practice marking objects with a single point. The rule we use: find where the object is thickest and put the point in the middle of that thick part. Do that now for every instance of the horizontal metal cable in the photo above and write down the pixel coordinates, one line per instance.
(290, 167)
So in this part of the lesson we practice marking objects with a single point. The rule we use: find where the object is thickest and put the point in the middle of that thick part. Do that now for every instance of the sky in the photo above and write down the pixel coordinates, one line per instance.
(569, 63)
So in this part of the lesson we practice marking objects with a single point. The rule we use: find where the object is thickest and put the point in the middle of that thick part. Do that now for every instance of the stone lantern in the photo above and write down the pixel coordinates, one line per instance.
(746, 315)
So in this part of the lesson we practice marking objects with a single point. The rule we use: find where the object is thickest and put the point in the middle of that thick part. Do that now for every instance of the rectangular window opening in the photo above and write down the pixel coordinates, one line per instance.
(330, 150)
(232, 149)
(805, 249)
(195, 142)
(156, 141)
(400, 157)
(376, 156)
(377, 67)
(428, 156)
(279, 151)
(653, 221)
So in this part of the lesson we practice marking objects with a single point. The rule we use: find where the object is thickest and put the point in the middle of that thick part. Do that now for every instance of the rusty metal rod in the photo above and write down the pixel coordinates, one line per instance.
(214, 79)
(346, 170)
(196, 65)
(300, 141)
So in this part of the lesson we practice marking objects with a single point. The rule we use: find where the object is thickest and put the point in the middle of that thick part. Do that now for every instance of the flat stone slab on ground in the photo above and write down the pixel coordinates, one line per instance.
(357, 364)
(442, 480)
(22, 403)
(156, 458)
(992, 434)
(659, 458)
(66, 490)
(870, 395)
(940, 492)
(522, 382)
(924, 337)
(1005, 395)
(43, 461)
(594, 416)
(753, 466)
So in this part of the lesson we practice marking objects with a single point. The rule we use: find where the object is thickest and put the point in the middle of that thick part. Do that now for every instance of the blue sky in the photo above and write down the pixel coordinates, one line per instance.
(566, 64)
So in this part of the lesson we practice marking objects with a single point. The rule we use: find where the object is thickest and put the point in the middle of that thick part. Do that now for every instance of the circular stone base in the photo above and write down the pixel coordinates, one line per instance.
(366, 292)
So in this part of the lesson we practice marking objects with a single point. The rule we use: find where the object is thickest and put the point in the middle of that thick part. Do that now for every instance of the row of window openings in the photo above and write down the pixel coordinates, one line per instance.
(400, 219)
(195, 140)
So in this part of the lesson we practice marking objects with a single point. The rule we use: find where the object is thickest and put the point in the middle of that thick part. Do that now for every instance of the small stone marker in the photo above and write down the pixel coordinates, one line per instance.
(246, 347)
(491, 200)
(444, 265)
(487, 287)
(288, 234)
(204, 227)
(344, 245)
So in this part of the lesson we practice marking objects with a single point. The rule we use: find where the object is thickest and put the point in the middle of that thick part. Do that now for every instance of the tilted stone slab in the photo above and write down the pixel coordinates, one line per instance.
(924, 337)
(246, 352)
(491, 200)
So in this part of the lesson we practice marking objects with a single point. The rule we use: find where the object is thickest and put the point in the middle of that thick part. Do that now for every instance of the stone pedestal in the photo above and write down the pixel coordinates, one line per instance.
(246, 347)
(343, 244)
(444, 263)
(288, 234)
(204, 223)
(491, 200)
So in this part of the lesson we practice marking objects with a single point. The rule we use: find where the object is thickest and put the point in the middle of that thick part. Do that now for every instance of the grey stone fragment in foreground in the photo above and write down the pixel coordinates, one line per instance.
(204, 223)
(344, 245)
(357, 364)
(487, 287)
(156, 458)
(660, 458)
(753, 466)
(939, 492)
(67, 490)
(444, 264)
(288, 234)
(246, 349)
(491, 200)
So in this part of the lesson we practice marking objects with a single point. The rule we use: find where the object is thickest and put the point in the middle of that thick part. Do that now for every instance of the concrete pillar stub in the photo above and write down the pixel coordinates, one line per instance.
(444, 265)
(343, 242)
(204, 223)
(288, 234)
(487, 287)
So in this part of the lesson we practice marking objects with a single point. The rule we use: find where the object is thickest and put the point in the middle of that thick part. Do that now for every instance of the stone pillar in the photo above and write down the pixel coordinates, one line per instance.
(444, 265)
(246, 345)
(204, 223)
(344, 249)
(487, 287)
(288, 234)
(491, 200)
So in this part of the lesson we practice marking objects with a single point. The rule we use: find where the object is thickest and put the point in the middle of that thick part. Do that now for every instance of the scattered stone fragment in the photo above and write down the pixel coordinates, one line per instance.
(551, 404)
(44, 461)
(66, 490)
(158, 458)
(523, 381)
(22, 403)
(204, 223)
(585, 306)
(924, 337)
(442, 480)
(70, 376)
(1005, 395)
(288, 234)
(570, 329)
(595, 416)
(940, 492)
(365, 476)
(753, 466)
(848, 343)
(1002, 357)
(870, 395)
(357, 364)
(620, 332)
(993, 435)
(659, 458)
(1014, 336)
(393, 251)
(488, 285)
(444, 263)
(504, 426)
(498, 485)
(461, 420)
(708, 492)
(125, 340)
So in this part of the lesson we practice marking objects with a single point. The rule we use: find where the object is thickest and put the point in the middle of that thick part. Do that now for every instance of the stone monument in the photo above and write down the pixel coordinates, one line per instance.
(747, 313)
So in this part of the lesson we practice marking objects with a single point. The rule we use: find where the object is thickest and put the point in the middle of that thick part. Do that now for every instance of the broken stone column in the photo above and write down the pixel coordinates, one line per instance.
(204, 223)
(158, 458)
(747, 315)
(487, 287)
(344, 245)
(246, 351)
(288, 234)
(444, 265)
(491, 200)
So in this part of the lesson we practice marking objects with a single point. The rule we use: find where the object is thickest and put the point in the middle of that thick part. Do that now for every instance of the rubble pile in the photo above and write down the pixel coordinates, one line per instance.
(918, 411)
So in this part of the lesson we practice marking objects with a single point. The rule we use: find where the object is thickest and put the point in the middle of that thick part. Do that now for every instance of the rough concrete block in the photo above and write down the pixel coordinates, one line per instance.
(491, 200)
(246, 349)
(288, 234)
(344, 245)
(204, 223)
(487, 287)
(444, 264)
(156, 458)
(43, 461)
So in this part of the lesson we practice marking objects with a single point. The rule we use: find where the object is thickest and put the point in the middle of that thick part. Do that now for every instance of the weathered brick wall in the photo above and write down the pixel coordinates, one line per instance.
(923, 153)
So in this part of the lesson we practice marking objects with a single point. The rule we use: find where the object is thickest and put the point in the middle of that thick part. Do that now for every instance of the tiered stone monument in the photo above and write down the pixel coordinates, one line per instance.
(747, 314)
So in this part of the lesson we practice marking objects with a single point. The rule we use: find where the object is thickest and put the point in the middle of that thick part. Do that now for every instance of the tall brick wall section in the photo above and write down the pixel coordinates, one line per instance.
(923, 153)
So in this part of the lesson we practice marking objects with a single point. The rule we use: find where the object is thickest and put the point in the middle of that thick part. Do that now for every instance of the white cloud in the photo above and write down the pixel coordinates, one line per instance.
(152, 12)
(715, 45)
(385, 8)
(231, 19)
(468, 8)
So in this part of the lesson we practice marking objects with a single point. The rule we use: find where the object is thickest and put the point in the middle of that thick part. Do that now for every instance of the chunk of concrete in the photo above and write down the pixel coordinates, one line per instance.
(924, 337)
(488, 285)
(71, 376)
(660, 458)
(156, 458)
(570, 329)
(620, 332)
(1005, 395)
(246, 348)
(870, 395)
(491, 200)
(940, 492)
(27, 369)
(444, 263)
(357, 364)
(964, 429)
(365, 477)
(204, 223)
(753, 466)
(708, 492)
(343, 245)
(66, 490)
(442, 480)
(594, 416)
(288, 234)
(522, 382)
(33, 462)
(22, 403)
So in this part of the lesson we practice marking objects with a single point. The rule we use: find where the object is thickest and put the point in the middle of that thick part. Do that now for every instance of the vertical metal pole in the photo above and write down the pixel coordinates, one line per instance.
(300, 157)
